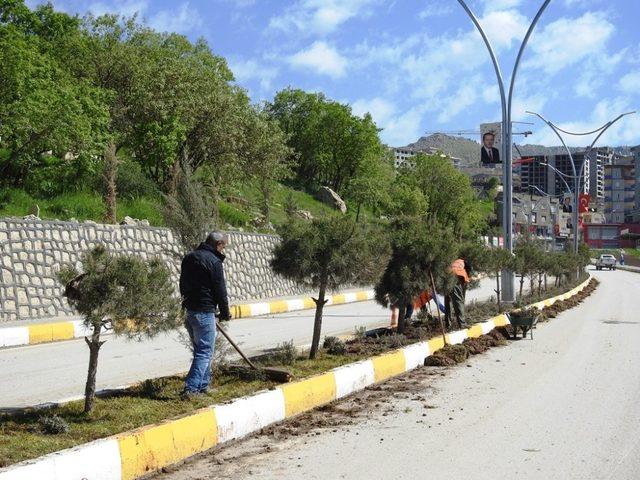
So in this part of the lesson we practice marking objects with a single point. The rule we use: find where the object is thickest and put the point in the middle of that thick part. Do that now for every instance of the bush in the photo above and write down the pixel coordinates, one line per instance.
(53, 425)
(153, 387)
(360, 331)
(285, 353)
(55, 176)
(133, 183)
(334, 346)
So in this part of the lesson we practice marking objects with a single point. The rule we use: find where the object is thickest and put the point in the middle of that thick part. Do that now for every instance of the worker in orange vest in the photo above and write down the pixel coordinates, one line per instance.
(456, 298)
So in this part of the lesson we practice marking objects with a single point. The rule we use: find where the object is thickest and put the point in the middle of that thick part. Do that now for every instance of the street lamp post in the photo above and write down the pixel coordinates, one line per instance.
(577, 177)
(506, 100)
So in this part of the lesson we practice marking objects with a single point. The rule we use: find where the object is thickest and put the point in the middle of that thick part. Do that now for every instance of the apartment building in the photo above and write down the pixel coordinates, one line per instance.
(620, 189)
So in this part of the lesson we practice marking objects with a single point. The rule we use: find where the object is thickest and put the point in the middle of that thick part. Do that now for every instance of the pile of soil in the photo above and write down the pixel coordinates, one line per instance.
(560, 306)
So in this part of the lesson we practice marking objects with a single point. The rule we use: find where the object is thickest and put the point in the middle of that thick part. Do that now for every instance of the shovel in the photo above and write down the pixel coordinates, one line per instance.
(275, 374)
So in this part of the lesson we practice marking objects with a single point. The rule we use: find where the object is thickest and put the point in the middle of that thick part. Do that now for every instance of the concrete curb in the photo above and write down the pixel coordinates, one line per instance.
(58, 331)
(133, 454)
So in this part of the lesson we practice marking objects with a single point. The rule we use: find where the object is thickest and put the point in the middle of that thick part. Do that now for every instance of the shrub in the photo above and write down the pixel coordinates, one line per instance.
(53, 425)
(285, 353)
(334, 346)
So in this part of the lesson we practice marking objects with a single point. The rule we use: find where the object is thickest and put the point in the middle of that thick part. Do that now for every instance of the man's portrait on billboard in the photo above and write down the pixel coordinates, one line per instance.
(488, 153)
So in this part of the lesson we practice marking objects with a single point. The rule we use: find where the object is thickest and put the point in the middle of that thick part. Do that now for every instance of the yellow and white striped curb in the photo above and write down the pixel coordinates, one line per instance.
(53, 332)
(133, 454)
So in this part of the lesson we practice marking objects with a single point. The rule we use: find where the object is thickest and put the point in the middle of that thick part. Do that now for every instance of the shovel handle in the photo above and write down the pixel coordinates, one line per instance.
(233, 344)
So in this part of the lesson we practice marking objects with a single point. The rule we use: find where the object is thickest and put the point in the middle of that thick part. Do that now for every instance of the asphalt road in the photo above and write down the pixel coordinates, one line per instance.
(562, 406)
(51, 372)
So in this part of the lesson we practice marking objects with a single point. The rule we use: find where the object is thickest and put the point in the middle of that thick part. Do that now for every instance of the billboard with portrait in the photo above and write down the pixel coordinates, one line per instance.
(490, 140)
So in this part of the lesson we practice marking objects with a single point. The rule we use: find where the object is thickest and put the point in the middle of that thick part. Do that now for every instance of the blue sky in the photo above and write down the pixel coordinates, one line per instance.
(419, 66)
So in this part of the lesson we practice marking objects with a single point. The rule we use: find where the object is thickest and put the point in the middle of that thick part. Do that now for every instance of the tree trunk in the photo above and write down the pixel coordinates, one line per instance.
(171, 183)
(317, 323)
(539, 283)
(402, 311)
(358, 213)
(521, 284)
(110, 175)
(94, 350)
(545, 282)
(498, 291)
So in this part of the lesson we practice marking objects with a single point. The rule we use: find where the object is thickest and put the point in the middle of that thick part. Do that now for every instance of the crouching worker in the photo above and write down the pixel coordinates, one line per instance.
(203, 290)
(458, 294)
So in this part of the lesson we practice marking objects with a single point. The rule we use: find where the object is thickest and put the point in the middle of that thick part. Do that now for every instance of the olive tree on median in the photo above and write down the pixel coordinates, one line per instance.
(326, 254)
(126, 294)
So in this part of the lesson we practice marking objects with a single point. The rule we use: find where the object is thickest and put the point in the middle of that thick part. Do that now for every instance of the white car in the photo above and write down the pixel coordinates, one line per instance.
(606, 260)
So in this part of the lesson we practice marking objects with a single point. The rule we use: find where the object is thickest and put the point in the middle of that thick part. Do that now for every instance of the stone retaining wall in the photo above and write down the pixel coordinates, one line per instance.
(32, 250)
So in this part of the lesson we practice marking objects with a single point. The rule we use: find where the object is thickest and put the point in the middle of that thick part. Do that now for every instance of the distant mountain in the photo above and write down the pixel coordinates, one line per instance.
(468, 151)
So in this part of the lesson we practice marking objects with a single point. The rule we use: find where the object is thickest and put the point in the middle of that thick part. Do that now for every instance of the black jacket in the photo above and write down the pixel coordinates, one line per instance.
(484, 156)
(202, 283)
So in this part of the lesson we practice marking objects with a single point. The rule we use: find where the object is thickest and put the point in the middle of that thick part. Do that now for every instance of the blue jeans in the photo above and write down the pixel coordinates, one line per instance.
(202, 331)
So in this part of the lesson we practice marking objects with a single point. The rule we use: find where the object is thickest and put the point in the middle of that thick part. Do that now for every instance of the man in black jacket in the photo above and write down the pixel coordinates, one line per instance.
(203, 290)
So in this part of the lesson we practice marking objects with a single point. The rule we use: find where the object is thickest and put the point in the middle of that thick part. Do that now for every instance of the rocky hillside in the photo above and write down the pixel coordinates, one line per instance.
(466, 150)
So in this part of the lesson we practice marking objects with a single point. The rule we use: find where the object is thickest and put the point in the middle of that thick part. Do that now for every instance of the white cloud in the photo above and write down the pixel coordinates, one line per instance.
(246, 70)
(320, 16)
(126, 8)
(380, 109)
(623, 132)
(630, 83)
(321, 58)
(182, 20)
(435, 10)
(567, 42)
(404, 128)
(465, 96)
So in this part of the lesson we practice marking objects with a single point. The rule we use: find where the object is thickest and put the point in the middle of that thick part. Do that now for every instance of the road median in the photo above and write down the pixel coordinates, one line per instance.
(141, 451)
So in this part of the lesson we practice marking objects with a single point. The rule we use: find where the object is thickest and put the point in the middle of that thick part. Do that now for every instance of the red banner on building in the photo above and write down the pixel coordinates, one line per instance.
(585, 199)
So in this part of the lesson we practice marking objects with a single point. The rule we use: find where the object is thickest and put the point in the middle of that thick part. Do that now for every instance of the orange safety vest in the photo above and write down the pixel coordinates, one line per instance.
(457, 268)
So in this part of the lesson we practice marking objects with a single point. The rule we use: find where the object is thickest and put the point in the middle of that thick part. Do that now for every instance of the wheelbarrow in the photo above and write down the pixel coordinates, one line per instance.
(526, 321)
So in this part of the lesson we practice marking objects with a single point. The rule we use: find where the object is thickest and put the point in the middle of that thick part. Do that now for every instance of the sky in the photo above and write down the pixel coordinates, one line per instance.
(420, 66)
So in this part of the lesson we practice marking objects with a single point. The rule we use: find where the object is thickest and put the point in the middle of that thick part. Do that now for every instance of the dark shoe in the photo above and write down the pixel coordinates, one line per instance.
(187, 395)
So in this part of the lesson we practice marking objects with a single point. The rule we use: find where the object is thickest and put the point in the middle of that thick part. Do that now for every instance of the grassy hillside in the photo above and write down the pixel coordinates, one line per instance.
(238, 211)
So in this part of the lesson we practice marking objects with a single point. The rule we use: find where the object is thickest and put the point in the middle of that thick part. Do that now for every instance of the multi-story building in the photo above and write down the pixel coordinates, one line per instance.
(635, 151)
(619, 189)
(599, 158)
(402, 155)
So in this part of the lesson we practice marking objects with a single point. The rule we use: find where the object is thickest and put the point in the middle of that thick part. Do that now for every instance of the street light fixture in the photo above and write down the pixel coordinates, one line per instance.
(578, 176)
(506, 101)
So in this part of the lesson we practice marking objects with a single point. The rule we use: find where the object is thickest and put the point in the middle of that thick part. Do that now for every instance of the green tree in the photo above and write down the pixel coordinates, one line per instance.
(189, 211)
(126, 294)
(269, 155)
(330, 142)
(452, 200)
(500, 259)
(421, 254)
(326, 254)
(43, 107)
(527, 253)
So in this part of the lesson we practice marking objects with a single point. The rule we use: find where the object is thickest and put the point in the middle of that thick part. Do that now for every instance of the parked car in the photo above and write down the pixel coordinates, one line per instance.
(606, 260)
